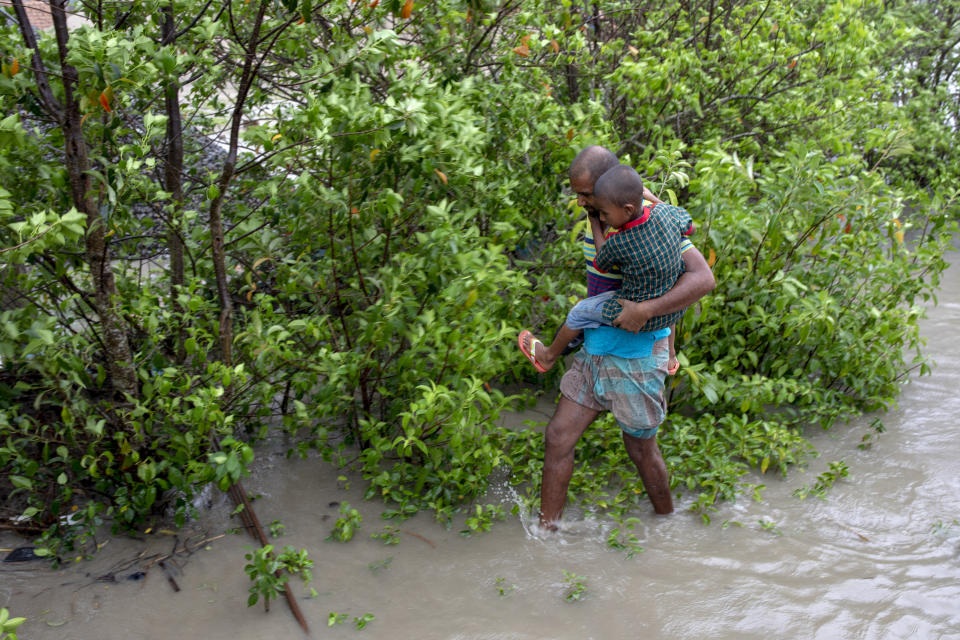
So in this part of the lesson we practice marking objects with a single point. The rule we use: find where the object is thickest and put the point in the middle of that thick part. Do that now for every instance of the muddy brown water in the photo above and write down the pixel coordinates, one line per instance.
(878, 559)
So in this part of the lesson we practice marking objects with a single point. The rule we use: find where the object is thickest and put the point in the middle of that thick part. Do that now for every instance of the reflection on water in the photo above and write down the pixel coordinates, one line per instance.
(879, 559)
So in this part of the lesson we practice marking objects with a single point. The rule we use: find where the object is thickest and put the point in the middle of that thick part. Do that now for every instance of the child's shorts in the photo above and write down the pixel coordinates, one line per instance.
(588, 313)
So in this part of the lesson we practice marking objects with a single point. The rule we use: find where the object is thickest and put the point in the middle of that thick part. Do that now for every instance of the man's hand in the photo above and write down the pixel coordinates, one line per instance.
(696, 282)
(648, 195)
(633, 316)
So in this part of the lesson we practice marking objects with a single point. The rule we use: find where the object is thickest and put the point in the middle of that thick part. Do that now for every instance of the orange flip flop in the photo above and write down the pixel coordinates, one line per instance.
(529, 352)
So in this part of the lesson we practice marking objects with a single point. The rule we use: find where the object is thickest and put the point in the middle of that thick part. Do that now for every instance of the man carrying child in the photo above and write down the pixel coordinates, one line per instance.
(645, 247)
(618, 371)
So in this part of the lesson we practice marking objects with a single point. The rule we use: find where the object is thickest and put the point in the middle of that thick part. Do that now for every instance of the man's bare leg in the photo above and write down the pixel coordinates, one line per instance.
(563, 431)
(653, 471)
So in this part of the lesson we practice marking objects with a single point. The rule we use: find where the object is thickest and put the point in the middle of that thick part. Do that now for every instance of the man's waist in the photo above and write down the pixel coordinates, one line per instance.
(605, 340)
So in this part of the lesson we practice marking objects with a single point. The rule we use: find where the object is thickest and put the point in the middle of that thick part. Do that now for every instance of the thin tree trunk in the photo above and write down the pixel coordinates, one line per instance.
(173, 178)
(226, 175)
(118, 355)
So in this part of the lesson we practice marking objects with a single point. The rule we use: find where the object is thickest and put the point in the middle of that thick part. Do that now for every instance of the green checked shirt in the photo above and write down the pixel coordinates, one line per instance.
(647, 251)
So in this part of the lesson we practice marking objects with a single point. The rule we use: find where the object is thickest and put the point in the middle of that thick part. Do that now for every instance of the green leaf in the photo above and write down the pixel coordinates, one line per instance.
(306, 10)
(12, 624)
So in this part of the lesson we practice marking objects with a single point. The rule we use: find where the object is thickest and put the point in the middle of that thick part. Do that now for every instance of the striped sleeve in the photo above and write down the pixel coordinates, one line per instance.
(597, 282)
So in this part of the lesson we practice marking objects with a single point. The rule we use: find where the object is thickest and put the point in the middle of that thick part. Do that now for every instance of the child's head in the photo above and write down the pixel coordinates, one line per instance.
(618, 195)
(591, 163)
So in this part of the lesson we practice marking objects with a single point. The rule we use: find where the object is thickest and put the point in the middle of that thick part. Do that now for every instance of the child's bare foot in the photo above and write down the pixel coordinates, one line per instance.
(535, 351)
(673, 365)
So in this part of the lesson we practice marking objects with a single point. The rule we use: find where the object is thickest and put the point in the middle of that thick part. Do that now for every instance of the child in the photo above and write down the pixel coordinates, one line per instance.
(646, 248)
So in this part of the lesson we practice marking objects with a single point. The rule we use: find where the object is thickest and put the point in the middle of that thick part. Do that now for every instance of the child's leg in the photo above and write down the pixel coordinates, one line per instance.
(588, 313)
(548, 355)
(673, 365)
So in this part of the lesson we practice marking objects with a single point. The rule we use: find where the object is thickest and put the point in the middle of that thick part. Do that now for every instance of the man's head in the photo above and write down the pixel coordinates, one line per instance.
(590, 164)
(618, 195)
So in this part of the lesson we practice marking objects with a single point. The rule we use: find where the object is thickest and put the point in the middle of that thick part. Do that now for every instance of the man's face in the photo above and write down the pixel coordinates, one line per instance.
(583, 187)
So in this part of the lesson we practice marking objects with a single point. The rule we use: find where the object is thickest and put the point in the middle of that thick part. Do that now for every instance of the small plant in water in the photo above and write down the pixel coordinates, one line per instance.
(8, 625)
(389, 535)
(270, 572)
(756, 491)
(376, 567)
(276, 529)
(622, 537)
(362, 621)
(336, 618)
(348, 522)
(870, 437)
(576, 586)
(502, 588)
(770, 525)
(482, 518)
(824, 481)
(940, 528)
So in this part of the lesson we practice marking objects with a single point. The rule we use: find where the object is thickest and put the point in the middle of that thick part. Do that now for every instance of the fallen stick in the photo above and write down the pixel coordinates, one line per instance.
(155, 558)
(167, 572)
(854, 532)
(417, 535)
(239, 496)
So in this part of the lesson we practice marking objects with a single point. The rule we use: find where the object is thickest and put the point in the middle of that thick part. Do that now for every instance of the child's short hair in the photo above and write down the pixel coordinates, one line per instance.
(620, 185)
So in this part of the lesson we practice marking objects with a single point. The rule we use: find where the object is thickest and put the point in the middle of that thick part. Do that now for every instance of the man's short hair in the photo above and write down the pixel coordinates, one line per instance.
(620, 185)
(593, 162)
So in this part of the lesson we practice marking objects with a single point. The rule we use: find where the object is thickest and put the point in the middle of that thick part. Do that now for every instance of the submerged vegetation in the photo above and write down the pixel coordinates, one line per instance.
(221, 221)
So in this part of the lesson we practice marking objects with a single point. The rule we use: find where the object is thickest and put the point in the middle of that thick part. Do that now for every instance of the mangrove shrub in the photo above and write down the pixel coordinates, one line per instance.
(220, 222)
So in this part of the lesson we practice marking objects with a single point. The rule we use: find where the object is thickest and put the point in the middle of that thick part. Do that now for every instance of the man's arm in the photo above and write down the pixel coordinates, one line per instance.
(648, 195)
(696, 282)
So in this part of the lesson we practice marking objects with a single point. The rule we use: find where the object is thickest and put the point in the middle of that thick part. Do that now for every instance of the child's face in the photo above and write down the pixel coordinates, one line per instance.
(612, 214)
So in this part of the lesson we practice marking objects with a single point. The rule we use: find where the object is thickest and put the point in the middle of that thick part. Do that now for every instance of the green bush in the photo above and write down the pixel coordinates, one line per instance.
(385, 208)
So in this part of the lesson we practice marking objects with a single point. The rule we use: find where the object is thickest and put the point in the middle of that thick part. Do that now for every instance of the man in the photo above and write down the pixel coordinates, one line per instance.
(637, 398)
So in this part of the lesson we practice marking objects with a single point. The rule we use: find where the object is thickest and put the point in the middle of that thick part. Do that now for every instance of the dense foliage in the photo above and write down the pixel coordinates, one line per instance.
(221, 221)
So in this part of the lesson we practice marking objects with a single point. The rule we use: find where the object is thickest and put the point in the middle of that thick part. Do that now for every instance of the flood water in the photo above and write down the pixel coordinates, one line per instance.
(878, 559)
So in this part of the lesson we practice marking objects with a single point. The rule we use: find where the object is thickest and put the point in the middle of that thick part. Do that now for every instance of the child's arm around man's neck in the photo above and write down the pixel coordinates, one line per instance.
(597, 228)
